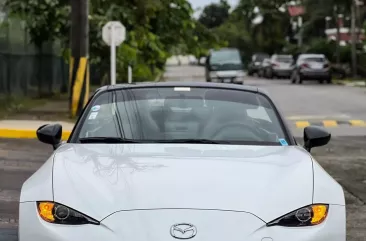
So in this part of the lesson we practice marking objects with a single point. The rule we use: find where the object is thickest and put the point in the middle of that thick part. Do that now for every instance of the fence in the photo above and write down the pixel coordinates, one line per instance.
(23, 70)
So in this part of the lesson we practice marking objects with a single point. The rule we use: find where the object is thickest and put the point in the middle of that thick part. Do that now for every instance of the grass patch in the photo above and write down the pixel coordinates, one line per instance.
(11, 105)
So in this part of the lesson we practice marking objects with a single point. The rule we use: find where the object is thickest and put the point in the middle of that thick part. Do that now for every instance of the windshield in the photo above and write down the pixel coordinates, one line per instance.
(168, 114)
(260, 57)
(225, 57)
(284, 59)
(315, 59)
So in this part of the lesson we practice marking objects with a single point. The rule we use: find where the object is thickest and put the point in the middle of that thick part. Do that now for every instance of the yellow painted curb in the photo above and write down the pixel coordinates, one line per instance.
(357, 123)
(330, 123)
(26, 134)
(302, 124)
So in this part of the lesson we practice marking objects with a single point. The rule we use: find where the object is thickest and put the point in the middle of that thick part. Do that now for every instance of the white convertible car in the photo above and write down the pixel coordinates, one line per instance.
(168, 161)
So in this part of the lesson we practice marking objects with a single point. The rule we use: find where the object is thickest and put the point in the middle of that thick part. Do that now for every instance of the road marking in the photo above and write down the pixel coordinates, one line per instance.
(9, 225)
(302, 124)
(357, 123)
(330, 123)
(317, 117)
(9, 196)
(26, 134)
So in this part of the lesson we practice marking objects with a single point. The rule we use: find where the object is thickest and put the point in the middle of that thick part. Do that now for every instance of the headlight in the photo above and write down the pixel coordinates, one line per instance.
(306, 216)
(213, 75)
(59, 214)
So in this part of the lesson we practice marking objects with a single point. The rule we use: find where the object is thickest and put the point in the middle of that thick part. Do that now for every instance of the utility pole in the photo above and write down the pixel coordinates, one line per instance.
(338, 19)
(353, 32)
(300, 33)
(79, 64)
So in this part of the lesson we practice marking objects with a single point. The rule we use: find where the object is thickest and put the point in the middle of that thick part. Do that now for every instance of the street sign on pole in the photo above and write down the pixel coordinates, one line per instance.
(114, 34)
(129, 74)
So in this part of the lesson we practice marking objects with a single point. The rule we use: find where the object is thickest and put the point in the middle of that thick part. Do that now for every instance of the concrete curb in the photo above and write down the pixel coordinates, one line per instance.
(351, 83)
(16, 133)
(26, 134)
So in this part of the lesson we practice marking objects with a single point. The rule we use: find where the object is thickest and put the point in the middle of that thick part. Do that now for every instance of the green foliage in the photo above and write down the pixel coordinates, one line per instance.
(269, 36)
(322, 46)
(215, 14)
(46, 20)
(155, 30)
(316, 11)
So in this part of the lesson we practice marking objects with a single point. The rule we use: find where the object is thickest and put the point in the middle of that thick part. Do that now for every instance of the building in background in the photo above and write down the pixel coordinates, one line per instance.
(345, 34)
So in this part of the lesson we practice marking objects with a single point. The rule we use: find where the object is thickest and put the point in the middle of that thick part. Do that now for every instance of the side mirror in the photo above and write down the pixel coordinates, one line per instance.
(315, 136)
(50, 134)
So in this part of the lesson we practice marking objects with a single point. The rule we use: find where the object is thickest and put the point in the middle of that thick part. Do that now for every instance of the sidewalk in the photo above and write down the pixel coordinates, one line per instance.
(351, 83)
(26, 129)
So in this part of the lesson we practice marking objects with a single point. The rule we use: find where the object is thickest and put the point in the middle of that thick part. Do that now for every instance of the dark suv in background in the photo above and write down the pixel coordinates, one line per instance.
(225, 65)
(255, 65)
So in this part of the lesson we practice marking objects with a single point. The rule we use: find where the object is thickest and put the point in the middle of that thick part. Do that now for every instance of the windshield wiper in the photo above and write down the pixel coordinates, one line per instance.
(192, 141)
(111, 140)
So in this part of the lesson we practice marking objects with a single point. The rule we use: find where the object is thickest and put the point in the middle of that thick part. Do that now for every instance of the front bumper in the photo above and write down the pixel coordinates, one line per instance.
(155, 225)
(308, 74)
(234, 80)
(282, 72)
(254, 69)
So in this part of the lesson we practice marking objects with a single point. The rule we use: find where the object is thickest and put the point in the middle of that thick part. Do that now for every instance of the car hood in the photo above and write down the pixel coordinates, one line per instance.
(100, 179)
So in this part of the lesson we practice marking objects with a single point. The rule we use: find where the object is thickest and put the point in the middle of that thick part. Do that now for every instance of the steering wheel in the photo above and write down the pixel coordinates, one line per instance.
(238, 125)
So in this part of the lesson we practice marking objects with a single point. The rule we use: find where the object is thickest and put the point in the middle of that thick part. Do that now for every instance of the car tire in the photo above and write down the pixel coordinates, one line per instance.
(293, 79)
(299, 79)
(321, 81)
(270, 75)
(329, 80)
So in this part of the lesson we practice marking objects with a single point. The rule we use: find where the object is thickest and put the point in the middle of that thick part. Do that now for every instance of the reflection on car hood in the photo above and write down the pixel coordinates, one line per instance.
(99, 179)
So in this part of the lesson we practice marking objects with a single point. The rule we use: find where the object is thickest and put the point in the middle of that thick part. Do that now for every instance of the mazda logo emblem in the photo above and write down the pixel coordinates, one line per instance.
(183, 231)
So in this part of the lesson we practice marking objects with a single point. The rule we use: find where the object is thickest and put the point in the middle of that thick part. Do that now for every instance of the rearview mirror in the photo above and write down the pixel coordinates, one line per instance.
(50, 134)
(315, 136)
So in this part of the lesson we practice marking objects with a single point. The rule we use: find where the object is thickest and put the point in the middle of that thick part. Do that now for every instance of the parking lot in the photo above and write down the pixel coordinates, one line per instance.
(344, 157)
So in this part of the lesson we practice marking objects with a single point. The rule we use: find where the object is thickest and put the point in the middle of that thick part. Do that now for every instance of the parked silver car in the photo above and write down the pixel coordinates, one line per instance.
(264, 67)
(281, 66)
(311, 67)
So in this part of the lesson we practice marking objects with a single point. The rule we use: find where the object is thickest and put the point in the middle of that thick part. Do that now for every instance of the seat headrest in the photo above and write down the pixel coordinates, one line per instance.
(183, 102)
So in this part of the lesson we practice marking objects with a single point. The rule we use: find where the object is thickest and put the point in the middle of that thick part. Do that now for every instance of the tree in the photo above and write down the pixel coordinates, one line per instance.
(268, 36)
(154, 28)
(316, 11)
(215, 14)
(46, 21)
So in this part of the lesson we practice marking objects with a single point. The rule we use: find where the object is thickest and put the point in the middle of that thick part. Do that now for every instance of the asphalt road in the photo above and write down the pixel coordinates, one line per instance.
(309, 101)
(344, 157)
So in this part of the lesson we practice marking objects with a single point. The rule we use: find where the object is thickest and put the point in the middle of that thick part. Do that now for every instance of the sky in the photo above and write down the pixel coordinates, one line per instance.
(201, 3)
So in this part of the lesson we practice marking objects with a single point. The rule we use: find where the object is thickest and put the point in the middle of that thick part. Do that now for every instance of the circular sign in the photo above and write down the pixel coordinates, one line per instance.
(119, 33)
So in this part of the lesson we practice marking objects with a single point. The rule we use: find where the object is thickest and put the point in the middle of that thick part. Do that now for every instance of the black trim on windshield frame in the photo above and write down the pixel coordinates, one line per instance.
(74, 135)
(77, 128)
